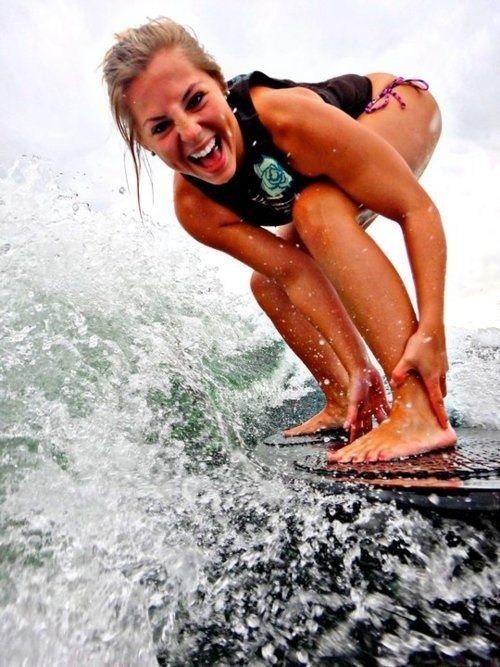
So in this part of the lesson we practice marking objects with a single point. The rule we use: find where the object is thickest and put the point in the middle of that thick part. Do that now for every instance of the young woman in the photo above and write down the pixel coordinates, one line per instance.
(316, 160)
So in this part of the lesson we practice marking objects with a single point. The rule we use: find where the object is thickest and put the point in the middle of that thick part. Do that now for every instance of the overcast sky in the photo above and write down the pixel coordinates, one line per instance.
(54, 104)
(50, 50)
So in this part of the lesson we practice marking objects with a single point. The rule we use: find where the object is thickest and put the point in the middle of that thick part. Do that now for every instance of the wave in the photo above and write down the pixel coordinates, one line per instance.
(133, 522)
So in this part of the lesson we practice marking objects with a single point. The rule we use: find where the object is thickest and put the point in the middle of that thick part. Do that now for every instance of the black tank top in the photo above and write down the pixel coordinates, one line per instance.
(263, 190)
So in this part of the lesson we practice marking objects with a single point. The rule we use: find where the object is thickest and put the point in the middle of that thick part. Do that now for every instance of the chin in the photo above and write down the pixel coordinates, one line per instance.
(223, 179)
(220, 179)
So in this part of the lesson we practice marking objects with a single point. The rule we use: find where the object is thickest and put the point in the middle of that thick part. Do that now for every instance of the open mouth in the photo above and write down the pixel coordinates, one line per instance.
(207, 155)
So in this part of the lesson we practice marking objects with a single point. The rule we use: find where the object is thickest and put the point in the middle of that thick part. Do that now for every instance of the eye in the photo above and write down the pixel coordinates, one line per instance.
(160, 127)
(195, 100)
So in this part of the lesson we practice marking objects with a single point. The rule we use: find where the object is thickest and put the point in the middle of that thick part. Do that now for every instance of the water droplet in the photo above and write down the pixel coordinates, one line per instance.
(267, 651)
(302, 657)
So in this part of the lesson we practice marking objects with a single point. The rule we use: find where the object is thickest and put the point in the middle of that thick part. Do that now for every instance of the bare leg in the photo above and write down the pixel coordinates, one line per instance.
(379, 305)
(370, 287)
(311, 348)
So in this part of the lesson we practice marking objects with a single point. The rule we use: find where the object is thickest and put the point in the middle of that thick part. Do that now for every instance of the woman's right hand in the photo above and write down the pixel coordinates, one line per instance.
(366, 399)
(425, 353)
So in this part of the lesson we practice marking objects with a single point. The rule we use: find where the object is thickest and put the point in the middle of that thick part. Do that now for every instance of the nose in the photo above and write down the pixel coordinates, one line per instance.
(188, 129)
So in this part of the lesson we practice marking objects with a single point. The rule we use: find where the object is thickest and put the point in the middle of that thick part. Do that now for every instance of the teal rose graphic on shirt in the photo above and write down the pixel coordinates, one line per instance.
(274, 179)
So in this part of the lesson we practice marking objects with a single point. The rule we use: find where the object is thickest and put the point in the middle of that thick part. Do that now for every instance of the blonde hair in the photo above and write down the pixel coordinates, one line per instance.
(130, 56)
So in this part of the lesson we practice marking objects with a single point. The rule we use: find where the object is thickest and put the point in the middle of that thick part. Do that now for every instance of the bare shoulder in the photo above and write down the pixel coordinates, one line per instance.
(305, 127)
(277, 108)
(197, 213)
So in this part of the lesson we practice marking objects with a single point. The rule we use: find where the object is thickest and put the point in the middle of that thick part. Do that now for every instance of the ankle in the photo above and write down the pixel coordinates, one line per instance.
(412, 396)
(335, 400)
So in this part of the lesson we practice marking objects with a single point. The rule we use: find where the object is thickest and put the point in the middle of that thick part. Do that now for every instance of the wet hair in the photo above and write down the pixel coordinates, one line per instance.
(130, 56)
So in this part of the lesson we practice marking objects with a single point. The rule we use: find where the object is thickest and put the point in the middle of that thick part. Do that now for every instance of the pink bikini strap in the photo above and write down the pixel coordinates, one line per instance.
(382, 100)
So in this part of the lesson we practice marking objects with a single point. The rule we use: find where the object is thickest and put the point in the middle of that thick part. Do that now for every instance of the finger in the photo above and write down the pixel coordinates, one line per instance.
(437, 401)
(380, 413)
(362, 423)
(355, 432)
(379, 391)
(358, 427)
(382, 408)
(352, 415)
(367, 424)
(384, 403)
(365, 417)
(399, 373)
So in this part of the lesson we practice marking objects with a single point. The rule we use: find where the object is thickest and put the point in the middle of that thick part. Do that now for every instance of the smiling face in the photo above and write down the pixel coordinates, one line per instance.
(181, 114)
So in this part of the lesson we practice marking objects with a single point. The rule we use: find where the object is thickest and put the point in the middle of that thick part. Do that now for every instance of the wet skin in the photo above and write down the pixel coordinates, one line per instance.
(184, 118)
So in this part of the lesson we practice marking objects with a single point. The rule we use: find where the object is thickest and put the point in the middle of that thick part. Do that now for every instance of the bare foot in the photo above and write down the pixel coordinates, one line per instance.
(411, 429)
(332, 416)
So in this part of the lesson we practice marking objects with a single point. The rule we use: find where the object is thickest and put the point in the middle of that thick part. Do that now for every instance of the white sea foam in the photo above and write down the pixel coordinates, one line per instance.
(133, 520)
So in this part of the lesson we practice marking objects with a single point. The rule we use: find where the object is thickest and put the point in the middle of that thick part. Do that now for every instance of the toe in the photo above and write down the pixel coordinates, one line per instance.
(371, 456)
(336, 457)
(345, 456)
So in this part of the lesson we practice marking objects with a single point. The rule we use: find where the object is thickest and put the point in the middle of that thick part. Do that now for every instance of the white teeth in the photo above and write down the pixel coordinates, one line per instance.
(208, 149)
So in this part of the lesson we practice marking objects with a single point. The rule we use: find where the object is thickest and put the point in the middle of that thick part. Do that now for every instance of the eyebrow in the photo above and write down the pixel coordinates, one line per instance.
(184, 98)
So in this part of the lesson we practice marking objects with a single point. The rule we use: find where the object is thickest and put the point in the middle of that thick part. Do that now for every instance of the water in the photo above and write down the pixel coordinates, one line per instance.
(135, 525)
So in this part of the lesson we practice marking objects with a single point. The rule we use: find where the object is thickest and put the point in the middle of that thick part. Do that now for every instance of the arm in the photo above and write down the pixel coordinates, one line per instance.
(323, 141)
(301, 279)
(426, 348)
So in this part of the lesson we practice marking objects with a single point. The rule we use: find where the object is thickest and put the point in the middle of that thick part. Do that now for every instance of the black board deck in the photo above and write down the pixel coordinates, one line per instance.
(463, 478)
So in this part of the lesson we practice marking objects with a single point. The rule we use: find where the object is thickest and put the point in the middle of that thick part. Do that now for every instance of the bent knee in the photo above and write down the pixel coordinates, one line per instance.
(319, 204)
(260, 284)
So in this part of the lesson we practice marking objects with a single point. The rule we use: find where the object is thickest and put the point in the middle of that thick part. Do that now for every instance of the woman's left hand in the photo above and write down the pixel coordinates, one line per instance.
(367, 399)
(425, 353)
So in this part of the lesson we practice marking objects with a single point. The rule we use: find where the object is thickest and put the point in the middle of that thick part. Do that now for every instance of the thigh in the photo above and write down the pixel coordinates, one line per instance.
(364, 278)
(413, 131)
(314, 230)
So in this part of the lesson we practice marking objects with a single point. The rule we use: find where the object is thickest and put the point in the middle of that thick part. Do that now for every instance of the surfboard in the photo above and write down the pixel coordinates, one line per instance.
(463, 478)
